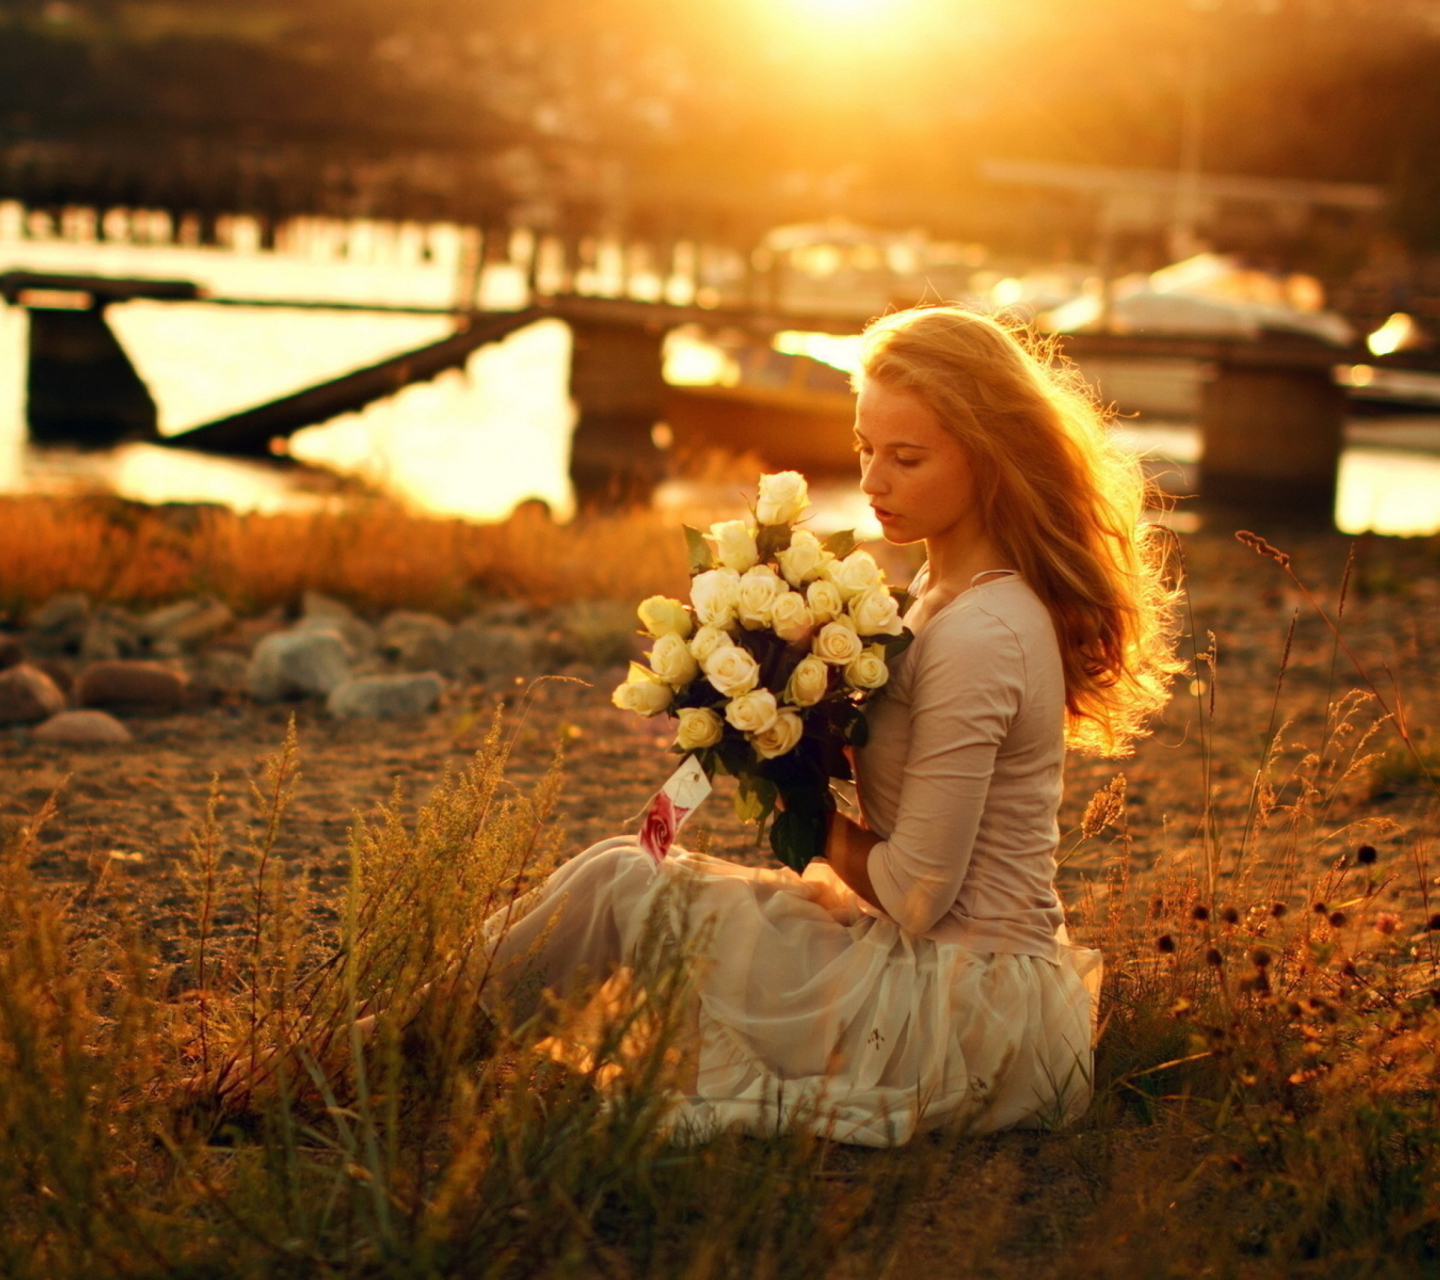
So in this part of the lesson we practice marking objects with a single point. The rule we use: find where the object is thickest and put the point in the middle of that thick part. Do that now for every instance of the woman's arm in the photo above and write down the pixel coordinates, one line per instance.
(847, 850)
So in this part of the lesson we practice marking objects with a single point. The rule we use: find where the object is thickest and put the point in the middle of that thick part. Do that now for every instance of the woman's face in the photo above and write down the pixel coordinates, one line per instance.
(914, 472)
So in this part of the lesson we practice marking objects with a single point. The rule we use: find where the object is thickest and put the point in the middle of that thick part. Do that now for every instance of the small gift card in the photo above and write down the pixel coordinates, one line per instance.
(673, 803)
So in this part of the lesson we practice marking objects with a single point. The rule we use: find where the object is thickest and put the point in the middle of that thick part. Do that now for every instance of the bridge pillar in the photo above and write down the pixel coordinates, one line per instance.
(617, 383)
(1272, 443)
(82, 388)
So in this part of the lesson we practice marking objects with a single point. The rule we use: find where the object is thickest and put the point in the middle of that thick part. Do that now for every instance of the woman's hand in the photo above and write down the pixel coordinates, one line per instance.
(847, 850)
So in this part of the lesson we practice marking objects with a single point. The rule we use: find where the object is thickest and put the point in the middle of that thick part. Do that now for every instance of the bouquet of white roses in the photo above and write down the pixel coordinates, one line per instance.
(769, 667)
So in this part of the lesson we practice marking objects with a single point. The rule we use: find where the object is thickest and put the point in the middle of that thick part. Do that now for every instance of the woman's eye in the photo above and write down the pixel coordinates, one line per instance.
(906, 462)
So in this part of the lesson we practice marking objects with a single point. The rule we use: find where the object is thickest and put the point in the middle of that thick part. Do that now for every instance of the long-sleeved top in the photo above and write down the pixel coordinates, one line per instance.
(961, 776)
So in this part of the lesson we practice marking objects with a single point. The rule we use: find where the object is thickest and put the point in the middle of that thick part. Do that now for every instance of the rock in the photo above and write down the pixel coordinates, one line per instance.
(58, 626)
(82, 728)
(598, 632)
(188, 622)
(416, 640)
(387, 697)
(297, 664)
(324, 611)
(60, 671)
(27, 694)
(110, 634)
(219, 673)
(493, 652)
(11, 653)
(513, 613)
(143, 688)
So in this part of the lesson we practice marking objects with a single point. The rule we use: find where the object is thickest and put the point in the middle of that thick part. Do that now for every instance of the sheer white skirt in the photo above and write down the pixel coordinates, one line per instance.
(807, 1011)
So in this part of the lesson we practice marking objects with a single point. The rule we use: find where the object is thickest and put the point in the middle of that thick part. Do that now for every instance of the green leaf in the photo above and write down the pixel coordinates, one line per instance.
(755, 799)
(857, 732)
(698, 550)
(798, 834)
(840, 544)
(771, 539)
(894, 646)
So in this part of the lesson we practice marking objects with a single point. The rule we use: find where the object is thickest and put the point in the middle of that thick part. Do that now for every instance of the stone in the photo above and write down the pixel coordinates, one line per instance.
(83, 729)
(493, 652)
(219, 673)
(359, 636)
(387, 697)
(59, 625)
(598, 632)
(417, 641)
(297, 664)
(27, 695)
(110, 634)
(188, 622)
(12, 653)
(142, 688)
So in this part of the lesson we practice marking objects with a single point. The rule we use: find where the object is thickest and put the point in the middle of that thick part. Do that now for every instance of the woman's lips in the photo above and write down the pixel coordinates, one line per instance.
(882, 515)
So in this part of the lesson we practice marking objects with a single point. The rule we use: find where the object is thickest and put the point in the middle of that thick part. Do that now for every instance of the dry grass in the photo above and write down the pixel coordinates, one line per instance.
(372, 555)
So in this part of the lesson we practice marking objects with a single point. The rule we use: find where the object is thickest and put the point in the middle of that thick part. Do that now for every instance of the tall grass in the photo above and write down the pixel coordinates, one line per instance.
(372, 555)
(1266, 1101)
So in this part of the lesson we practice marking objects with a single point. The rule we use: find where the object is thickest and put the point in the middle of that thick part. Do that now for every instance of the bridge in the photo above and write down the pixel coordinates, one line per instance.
(1272, 414)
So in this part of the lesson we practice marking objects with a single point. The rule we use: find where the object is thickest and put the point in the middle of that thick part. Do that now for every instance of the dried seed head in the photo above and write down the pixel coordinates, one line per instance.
(1386, 922)
(1260, 957)
(1165, 943)
(1433, 924)
(1365, 855)
(1201, 912)
(1213, 957)
(1320, 909)
(1349, 969)
(1157, 908)
(1278, 909)
(1339, 919)
(1258, 545)
(1230, 916)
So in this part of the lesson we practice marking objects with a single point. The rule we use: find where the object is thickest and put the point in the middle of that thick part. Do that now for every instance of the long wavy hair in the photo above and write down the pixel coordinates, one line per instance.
(1059, 500)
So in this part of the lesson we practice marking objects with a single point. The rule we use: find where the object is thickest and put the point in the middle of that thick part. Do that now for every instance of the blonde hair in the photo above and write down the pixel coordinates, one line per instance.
(1060, 501)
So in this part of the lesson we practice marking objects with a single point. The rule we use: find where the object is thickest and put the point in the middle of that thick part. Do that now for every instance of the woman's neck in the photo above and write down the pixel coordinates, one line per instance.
(954, 564)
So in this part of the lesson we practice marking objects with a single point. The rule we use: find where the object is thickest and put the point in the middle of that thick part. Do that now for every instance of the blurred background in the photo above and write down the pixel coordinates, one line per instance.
(297, 230)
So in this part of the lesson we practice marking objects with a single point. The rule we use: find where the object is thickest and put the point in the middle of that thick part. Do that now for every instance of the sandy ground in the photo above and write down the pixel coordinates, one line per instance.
(125, 815)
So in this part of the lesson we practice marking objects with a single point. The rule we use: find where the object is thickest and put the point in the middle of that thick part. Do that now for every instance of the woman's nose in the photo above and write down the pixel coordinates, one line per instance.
(872, 478)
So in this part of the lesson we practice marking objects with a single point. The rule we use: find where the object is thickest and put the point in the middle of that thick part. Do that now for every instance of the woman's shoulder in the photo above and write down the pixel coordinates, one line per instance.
(995, 608)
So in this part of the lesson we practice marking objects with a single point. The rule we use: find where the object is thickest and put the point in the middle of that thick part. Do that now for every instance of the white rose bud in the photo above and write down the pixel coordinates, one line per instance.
(783, 496)
(734, 545)
(802, 561)
(791, 618)
(780, 737)
(760, 587)
(662, 616)
(642, 693)
(854, 573)
(732, 670)
(706, 640)
(752, 712)
(672, 661)
(837, 643)
(824, 600)
(868, 671)
(808, 683)
(715, 593)
(876, 613)
(699, 727)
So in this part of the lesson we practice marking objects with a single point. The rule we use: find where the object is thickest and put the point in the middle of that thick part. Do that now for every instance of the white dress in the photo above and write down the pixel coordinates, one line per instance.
(957, 1002)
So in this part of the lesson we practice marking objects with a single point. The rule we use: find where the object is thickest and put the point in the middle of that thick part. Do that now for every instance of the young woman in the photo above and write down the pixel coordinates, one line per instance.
(920, 974)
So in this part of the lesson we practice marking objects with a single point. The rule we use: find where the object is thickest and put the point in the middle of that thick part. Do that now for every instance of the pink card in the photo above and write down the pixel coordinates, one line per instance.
(681, 795)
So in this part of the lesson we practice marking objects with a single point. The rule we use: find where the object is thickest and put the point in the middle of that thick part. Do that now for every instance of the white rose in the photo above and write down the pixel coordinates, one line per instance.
(868, 671)
(808, 683)
(854, 573)
(732, 670)
(672, 661)
(837, 643)
(715, 594)
(752, 712)
(791, 618)
(783, 496)
(706, 640)
(699, 727)
(642, 693)
(734, 545)
(876, 613)
(759, 589)
(780, 737)
(824, 600)
(662, 616)
(801, 562)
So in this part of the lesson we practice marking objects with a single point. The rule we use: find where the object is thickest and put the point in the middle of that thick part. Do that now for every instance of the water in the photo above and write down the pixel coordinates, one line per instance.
(472, 443)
